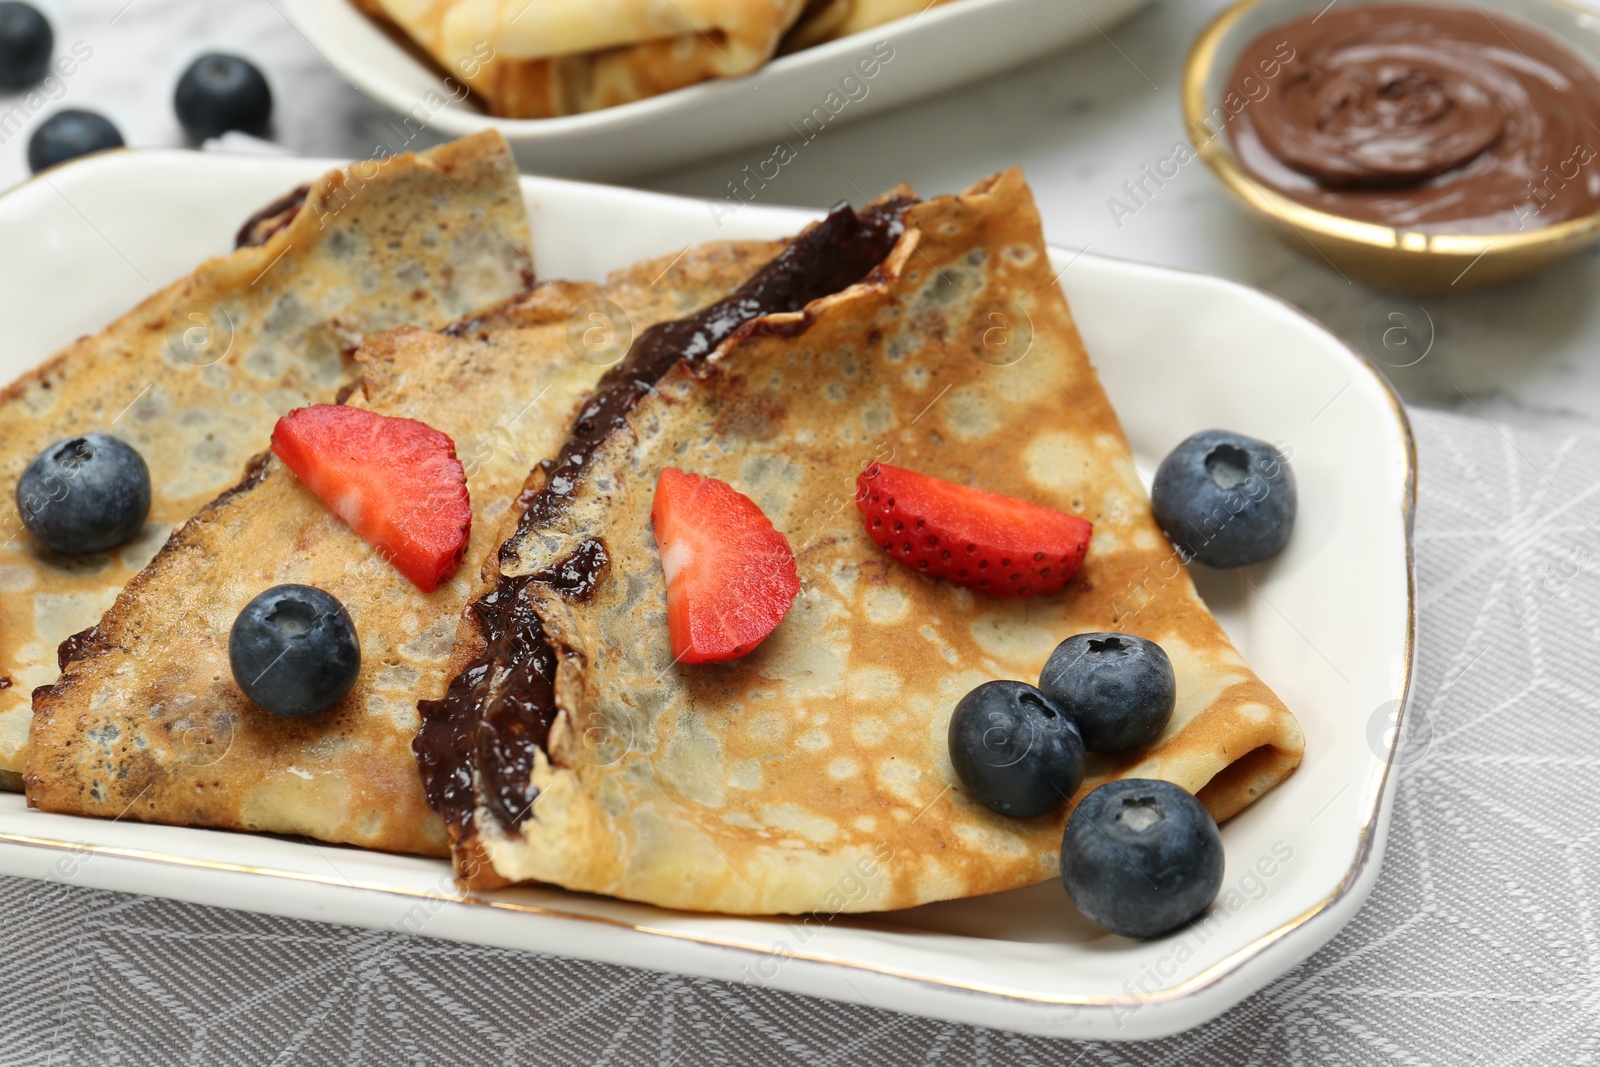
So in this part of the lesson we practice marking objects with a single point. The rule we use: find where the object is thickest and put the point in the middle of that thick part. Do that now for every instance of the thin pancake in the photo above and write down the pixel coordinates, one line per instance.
(764, 784)
(820, 21)
(563, 57)
(828, 20)
(868, 14)
(195, 376)
(146, 722)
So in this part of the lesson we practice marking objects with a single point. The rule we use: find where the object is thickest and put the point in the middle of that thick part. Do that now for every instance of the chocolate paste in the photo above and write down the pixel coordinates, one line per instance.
(577, 576)
(1445, 119)
(260, 227)
(497, 712)
(73, 647)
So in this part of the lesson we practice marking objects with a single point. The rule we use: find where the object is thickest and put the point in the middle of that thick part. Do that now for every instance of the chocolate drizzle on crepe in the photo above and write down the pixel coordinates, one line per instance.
(498, 711)
(259, 228)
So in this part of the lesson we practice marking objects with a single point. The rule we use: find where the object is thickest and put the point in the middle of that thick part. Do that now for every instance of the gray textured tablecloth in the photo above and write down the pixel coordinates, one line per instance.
(1480, 945)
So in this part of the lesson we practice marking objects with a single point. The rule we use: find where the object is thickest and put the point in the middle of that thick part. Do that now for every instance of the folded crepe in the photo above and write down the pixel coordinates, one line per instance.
(828, 20)
(543, 58)
(146, 722)
(196, 375)
(571, 749)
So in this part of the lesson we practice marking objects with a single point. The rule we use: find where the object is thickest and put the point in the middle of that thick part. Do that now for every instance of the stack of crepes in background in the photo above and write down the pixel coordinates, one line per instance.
(197, 374)
(828, 20)
(545, 58)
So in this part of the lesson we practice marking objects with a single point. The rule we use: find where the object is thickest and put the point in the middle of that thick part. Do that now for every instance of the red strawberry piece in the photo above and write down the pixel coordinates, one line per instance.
(995, 544)
(730, 575)
(397, 482)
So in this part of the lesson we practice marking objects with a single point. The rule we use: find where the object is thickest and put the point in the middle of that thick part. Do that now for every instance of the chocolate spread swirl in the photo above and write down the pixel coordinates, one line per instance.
(1447, 119)
(497, 712)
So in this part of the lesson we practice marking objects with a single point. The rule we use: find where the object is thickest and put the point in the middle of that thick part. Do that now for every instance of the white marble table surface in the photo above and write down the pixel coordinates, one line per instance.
(1082, 123)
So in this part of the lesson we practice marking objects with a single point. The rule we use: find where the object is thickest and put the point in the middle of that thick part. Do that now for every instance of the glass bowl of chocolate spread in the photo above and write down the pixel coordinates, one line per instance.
(1415, 147)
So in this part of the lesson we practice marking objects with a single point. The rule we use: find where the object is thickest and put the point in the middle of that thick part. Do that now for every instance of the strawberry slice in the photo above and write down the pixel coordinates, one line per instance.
(730, 575)
(996, 544)
(397, 482)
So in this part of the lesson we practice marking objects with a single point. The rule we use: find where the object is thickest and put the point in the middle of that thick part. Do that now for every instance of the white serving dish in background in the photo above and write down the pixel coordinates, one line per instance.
(1328, 624)
(941, 48)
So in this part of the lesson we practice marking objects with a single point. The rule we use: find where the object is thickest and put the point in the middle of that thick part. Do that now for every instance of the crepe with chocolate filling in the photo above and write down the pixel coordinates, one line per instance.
(146, 722)
(196, 375)
(828, 20)
(571, 749)
(545, 58)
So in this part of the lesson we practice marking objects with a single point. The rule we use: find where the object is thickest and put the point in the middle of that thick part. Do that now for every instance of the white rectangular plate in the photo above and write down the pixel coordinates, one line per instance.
(941, 48)
(1328, 624)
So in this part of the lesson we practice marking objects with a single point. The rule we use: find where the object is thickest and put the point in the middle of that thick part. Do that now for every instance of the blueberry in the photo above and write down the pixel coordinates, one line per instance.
(69, 134)
(25, 45)
(1141, 857)
(293, 650)
(85, 494)
(1225, 499)
(219, 93)
(1015, 751)
(1118, 690)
